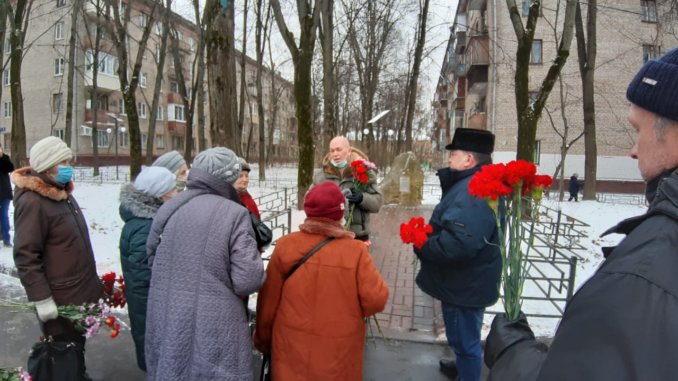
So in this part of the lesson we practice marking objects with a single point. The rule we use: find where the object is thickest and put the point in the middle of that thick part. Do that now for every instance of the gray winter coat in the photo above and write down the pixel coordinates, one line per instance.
(205, 260)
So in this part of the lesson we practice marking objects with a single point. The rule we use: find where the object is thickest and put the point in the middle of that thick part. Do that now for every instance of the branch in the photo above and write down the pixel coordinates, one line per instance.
(516, 19)
(288, 37)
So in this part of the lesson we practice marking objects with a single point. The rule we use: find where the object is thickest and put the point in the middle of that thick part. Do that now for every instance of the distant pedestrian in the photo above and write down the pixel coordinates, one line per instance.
(6, 167)
(176, 164)
(337, 169)
(205, 260)
(574, 187)
(139, 202)
(52, 249)
(312, 322)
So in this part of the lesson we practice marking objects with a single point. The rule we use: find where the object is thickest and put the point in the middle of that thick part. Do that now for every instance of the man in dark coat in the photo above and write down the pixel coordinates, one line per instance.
(460, 262)
(6, 167)
(574, 187)
(622, 324)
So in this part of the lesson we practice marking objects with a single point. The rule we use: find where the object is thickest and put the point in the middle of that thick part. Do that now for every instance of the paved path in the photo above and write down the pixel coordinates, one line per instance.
(410, 314)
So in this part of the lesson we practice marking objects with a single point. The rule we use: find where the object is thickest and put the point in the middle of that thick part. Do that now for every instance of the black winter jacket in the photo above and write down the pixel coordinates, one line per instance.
(623, 322)
(458, 265)
(6, 167)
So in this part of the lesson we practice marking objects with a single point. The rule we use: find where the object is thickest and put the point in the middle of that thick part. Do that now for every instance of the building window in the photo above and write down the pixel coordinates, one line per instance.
(175, 113)
(123, 139)
(102, 139)
(59, 64)
(8, 46)
(57, 100)
(7, 109)
(537, 152)
(533, 97)
(5, 77)
(60, 3)
(158, 28)
(121, 107)
(144, 140)
(159, 114)
(178, 142)
(59, 133)
(535, 55)
(648, 10)
(143, 20)
(142, 110)
(650, 52)
(174, 86)
(160, 141)
(191, 44)
(59, 31)
(108, 64)
(142, 80)
(526, 8)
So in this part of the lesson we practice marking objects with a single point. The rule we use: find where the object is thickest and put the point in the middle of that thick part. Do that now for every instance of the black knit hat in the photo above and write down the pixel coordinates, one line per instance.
(655, 87)
(472, 140)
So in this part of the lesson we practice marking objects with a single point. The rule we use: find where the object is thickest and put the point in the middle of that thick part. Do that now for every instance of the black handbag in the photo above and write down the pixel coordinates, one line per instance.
(262, 233)
(56, 360)
(265, 374)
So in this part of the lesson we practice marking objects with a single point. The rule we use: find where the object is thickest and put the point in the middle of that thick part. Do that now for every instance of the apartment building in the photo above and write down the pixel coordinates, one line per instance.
(476, 84)
(44, 83)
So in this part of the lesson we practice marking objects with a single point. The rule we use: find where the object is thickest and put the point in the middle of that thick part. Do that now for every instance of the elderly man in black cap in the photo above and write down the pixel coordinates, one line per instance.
(622, 324)
(460, 262)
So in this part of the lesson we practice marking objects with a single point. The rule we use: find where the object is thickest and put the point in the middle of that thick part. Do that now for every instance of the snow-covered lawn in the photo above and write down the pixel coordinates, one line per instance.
(99, 203)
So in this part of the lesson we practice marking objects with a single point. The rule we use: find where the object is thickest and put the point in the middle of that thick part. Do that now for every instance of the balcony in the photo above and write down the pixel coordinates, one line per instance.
(176, 128)
(102, 117)
(478, 121)
(461, 42)
(477, 52)
(105, 82)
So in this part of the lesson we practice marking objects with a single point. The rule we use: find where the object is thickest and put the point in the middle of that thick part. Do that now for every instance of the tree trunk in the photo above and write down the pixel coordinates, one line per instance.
(587, 47)
(68, 127)
(18, 19)
(160, 71)
(327, 44)
(243, 72)
(220, 46)
(260, 46)
(199, 85)
(418, 51)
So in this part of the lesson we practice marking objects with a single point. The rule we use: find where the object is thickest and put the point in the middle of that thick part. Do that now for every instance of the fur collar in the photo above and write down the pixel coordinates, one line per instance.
(346, 172)
(25, 178)
(138, 203)
(326, 227)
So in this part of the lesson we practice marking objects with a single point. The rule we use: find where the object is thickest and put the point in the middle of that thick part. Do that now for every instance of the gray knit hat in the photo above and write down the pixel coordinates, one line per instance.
(219, 162)
(48, 152)
(655, 87)
(171, 160)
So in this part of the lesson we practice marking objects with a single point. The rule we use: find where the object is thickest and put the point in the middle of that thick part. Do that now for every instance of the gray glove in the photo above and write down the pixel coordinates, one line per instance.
(47, 309)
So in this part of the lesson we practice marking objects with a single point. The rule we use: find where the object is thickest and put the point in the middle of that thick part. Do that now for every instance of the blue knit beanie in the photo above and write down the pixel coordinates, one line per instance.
(655, 87)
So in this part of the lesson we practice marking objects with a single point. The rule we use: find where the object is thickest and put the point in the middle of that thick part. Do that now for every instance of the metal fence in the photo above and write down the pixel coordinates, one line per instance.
(276, 210)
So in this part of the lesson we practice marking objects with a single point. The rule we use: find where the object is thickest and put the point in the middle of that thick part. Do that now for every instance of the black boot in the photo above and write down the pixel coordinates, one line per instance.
(449, 368)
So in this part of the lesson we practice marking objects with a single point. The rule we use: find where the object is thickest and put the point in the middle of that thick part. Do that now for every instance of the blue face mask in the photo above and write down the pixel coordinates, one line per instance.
(340, 165)
(65, 174)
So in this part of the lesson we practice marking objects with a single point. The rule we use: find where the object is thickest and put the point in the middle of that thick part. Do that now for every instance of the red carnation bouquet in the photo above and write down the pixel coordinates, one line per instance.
(90, 317)
(513, 185)
(415, 232)
(363, 173)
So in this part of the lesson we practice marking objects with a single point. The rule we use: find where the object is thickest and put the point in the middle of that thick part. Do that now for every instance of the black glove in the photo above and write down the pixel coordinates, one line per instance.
(504, 334)
(417, 252)
(355, 197)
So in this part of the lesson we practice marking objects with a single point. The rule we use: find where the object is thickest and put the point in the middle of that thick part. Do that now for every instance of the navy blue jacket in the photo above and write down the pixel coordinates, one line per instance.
(458, 266)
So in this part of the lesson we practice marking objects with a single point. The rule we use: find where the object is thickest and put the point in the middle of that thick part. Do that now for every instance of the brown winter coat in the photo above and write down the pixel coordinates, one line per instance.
(372, 201)
(313, 326)
(52, 250)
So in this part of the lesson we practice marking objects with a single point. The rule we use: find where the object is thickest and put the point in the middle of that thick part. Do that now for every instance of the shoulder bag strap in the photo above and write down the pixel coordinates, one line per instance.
(307, 256)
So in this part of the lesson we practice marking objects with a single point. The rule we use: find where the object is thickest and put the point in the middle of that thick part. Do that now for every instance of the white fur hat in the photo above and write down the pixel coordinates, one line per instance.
(48, 152)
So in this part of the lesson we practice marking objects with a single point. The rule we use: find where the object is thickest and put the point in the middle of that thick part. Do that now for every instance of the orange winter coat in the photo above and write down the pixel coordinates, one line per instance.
(313, 323)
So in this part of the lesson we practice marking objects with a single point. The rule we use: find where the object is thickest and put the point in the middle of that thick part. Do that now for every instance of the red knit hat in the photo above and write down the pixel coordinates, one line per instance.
(325, 200)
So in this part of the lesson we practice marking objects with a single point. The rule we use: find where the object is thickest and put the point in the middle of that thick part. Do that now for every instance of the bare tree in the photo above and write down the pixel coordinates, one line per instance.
(18, 20)
(586, 48)
(243, 78)
(128, 86)
(198, 105)
(412, 88)
(77, 4)
(220, 44)
(160, 54)
(529, 112)
(326, 33)
(260, 41)
(302, 56)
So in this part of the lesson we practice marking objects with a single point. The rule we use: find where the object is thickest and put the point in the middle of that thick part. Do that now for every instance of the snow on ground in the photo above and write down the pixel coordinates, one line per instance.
(99, 203)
